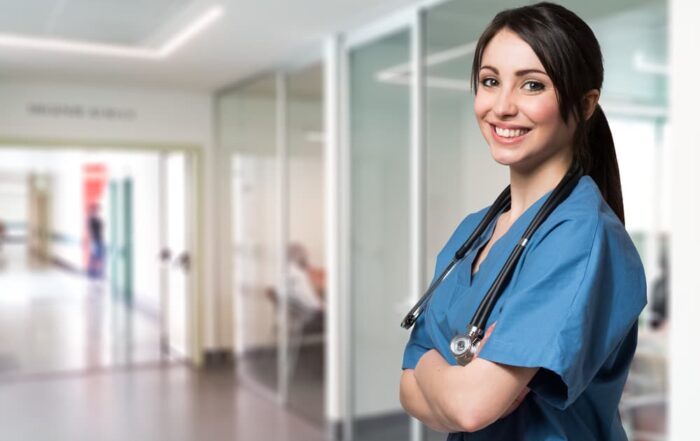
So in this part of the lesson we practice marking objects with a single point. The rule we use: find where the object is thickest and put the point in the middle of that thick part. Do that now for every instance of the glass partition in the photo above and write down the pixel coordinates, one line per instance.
(249, 134)
(306, 271)
(379, 255)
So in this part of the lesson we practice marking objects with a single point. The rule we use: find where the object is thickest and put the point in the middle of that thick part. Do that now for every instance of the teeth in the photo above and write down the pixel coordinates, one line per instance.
(510, 133)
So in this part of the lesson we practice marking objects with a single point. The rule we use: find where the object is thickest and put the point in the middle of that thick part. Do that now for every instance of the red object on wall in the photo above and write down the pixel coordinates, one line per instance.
(94, 181)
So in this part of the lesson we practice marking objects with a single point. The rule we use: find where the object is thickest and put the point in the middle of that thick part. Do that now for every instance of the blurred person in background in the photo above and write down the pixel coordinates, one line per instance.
(305, 287)
(3, 233)
(558, 345)
(659, 290)
(97, 247)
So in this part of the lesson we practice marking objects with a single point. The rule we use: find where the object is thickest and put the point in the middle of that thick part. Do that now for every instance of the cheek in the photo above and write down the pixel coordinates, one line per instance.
(481, 105)
(544, 112)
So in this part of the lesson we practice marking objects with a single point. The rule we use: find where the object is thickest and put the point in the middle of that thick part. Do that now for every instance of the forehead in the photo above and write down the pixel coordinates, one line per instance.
(507, 52)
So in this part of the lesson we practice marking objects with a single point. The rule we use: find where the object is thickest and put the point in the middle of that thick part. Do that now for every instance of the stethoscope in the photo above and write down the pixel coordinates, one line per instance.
(464, 346)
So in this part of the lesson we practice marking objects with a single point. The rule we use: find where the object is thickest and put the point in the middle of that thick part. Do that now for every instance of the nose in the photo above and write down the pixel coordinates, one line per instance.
(505, 104)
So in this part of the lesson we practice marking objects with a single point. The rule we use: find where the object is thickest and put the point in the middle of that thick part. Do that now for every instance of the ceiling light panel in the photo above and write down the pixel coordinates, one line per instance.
(112, 22)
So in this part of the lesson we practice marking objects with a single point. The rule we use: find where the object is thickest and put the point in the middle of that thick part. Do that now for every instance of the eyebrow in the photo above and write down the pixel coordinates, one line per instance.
(519, 73)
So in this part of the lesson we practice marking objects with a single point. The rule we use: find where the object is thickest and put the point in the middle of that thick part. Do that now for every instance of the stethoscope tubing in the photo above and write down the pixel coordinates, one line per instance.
(558, 195)
(480, 318)
(501, 202)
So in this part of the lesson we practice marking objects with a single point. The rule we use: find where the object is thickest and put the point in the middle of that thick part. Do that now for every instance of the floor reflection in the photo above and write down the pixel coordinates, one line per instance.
(52, 321)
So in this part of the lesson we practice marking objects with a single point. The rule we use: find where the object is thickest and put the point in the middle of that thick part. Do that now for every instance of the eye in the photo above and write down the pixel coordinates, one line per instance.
(489, 82)
(534, 86)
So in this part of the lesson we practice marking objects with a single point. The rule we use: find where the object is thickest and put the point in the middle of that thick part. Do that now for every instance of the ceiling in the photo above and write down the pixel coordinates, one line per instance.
(253, 36)
(250, 36)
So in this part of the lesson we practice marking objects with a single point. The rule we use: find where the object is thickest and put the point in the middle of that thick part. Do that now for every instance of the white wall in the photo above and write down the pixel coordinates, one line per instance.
(685, 241)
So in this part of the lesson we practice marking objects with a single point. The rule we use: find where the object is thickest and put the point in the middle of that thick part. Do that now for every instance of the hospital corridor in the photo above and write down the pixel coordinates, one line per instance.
(214, 215)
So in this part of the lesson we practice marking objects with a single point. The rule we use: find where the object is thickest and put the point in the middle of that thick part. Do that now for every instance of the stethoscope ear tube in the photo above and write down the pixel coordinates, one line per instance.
(501, 202)
(561, 192)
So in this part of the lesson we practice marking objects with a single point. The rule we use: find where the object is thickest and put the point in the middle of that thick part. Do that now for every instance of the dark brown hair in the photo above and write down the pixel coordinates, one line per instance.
(571, 56)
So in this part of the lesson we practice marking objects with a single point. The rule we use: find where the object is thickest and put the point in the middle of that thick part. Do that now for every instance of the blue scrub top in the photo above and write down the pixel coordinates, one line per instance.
(571, 309)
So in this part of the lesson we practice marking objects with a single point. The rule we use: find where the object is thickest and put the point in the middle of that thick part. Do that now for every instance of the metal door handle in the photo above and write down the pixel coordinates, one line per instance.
(165, 255)
(183, 261)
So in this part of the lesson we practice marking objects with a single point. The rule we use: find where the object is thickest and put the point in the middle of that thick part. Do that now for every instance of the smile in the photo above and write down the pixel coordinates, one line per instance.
(508, 135)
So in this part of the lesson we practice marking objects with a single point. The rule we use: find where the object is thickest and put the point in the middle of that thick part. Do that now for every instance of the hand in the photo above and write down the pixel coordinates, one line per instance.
(514, 405)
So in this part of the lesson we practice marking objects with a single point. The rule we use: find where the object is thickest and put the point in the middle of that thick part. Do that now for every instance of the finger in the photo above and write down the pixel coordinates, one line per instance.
(486, 337)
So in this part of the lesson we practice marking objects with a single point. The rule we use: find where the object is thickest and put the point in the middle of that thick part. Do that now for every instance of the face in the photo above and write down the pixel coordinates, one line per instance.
(516, 106)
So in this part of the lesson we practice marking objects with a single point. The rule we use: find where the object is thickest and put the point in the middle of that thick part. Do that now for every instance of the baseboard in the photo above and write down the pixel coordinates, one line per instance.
(334, 431)
(217, 358)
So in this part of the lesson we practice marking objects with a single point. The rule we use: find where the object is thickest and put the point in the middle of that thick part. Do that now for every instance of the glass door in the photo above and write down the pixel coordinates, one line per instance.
(305, 259)
(250, 137)
(175, 255)
(379, 131)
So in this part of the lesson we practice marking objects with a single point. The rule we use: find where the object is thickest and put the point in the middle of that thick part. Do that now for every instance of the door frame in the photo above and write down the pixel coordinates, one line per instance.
(194, 163)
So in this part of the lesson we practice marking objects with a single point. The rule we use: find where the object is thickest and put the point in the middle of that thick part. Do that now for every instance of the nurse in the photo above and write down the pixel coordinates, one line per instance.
(560, 340)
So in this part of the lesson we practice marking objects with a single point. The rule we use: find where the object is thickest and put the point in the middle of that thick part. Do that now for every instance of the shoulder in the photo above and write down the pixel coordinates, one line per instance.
(586, 227)
(585, 217)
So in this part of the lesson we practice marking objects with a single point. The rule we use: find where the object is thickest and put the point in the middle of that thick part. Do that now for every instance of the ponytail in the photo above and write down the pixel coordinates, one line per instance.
(595, 152)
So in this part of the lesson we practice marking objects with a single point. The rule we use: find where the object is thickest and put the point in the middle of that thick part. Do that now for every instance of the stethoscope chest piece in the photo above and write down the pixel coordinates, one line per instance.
(464, 346)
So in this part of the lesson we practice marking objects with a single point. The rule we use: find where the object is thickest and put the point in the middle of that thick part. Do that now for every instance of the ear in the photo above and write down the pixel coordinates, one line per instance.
(590, 100)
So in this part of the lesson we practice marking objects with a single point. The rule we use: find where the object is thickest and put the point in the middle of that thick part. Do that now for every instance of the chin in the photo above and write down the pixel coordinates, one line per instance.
(507, 158)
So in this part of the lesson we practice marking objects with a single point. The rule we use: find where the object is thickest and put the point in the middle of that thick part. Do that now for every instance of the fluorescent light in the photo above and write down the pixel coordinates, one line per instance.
(642, 65)
(76, 46)
(190, 31)
(60, 45)
(402, 73)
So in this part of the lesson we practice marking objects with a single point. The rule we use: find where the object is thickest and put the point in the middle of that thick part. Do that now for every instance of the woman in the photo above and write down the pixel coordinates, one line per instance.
(561, 337)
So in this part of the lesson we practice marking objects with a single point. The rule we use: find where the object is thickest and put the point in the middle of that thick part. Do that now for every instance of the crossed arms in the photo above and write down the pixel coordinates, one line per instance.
(462, 398)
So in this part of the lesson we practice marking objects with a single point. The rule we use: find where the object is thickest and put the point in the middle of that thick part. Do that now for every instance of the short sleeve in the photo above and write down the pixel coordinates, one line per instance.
(418, 344)
(577, 293)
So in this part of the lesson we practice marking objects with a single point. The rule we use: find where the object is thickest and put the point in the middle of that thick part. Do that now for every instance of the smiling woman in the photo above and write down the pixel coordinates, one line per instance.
(563, 331)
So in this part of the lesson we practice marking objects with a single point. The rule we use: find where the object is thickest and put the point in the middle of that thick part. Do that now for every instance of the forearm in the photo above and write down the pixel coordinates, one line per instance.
(470, 397)
(433, 379)
(414, 402)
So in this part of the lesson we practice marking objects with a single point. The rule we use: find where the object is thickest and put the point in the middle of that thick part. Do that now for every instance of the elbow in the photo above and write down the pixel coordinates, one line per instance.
(404, 394)
(469, 423)
(467, 417)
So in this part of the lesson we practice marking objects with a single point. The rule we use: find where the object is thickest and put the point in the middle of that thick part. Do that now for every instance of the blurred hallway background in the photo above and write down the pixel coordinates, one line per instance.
(211, 221)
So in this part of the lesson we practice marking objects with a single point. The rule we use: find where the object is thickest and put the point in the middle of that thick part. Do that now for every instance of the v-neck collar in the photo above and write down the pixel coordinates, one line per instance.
(497, 248)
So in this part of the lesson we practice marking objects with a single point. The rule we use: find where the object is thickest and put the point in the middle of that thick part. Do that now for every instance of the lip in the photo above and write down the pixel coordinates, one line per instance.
(503, 140)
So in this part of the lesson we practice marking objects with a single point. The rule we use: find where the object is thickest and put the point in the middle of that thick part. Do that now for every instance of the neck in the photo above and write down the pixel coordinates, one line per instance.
(527, 186)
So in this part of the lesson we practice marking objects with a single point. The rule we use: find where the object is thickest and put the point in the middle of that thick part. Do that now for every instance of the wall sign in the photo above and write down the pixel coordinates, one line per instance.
(80, 111)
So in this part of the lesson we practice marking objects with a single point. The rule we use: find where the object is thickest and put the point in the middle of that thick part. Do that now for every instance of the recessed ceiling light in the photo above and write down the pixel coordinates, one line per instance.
(76, 46)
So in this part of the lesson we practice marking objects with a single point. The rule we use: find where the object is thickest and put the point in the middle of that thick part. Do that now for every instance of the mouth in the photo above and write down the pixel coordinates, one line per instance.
(508, 136)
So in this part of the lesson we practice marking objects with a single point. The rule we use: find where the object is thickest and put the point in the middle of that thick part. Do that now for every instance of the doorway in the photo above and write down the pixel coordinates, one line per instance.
(84, 304)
